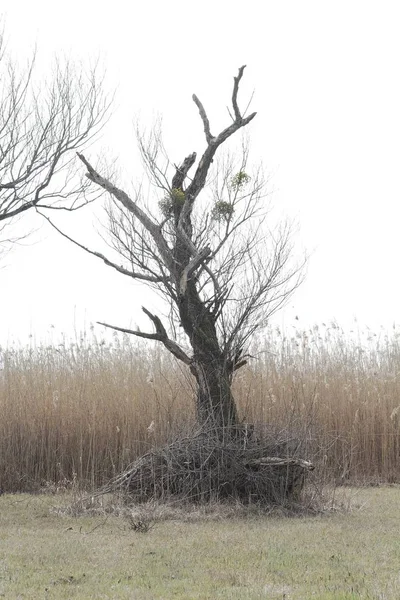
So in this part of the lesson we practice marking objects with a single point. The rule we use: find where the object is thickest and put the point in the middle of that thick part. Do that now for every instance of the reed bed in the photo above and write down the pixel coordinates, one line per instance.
(78, 413)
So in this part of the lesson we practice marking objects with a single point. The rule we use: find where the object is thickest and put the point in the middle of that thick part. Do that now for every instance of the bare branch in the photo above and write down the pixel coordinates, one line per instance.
(38, 130)
(209, 137)
(132, 206)
(109, 263)
(214, 142)
(160, 335)
(147, 336)
(235, 93)
(182, 171)
(151, 147)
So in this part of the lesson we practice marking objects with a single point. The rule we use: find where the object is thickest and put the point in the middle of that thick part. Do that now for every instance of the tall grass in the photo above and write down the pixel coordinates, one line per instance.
(83, 411)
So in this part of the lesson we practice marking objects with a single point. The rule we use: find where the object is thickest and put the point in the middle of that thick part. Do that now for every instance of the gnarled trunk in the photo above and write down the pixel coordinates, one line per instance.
(216, 406)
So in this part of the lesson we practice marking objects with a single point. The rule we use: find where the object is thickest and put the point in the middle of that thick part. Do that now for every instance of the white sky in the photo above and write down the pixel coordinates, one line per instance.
(327, 94)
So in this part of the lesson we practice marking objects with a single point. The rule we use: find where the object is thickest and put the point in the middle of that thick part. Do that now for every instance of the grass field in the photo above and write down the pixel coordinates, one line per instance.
(339, 555)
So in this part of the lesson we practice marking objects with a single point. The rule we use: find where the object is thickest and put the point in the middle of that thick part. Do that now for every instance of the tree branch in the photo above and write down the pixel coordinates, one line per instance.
(209, 137)
(191, 267)
(38, 131)
(182, 171)
(235, 93)
(109, 263)
(133, 208)
(147, 336)
(160, 335)
(213, 142)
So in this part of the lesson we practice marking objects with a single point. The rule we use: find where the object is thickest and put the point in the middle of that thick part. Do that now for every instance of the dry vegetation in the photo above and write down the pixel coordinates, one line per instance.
(81, 412)
(206, 555)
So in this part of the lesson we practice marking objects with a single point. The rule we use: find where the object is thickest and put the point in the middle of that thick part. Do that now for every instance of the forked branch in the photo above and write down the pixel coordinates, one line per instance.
(214, 142)
(160, 335)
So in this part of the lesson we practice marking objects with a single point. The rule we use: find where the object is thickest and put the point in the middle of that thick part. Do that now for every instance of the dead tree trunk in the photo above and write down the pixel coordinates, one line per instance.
(216, 406)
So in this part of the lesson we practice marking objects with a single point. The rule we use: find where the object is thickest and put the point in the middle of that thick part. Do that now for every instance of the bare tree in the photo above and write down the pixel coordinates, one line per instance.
(39, 127)
(212, 256)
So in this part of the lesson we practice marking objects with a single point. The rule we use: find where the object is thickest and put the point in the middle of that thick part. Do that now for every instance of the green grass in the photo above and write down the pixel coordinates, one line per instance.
(334, 556)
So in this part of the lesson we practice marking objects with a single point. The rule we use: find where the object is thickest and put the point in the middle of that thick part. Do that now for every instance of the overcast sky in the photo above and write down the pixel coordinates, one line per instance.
(327, 96)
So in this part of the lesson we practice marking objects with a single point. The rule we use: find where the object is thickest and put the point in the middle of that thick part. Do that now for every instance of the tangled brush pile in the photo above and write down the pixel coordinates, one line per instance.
(212, 465)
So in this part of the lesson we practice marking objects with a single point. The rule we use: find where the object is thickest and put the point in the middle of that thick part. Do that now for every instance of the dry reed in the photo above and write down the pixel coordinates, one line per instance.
(82, 412)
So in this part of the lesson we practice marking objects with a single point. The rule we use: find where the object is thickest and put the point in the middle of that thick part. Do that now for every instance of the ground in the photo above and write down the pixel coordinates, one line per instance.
(342, 554)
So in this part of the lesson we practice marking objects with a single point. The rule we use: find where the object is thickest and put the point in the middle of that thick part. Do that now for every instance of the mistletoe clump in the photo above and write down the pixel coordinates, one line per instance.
(222, 211)
(172, 202)
(240, 180)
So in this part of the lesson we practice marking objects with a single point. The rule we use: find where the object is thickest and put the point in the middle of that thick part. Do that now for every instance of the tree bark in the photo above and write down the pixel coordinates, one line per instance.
(216, 406)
